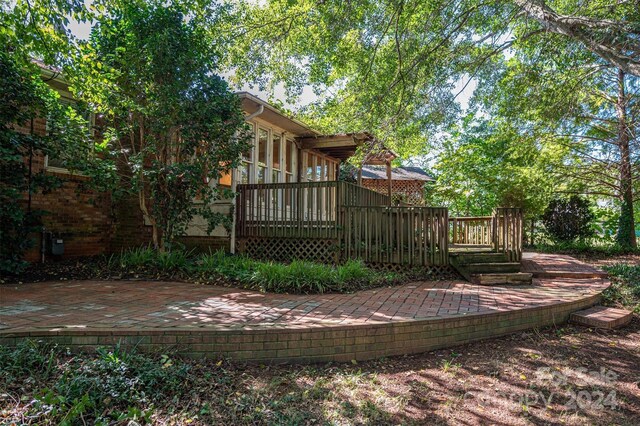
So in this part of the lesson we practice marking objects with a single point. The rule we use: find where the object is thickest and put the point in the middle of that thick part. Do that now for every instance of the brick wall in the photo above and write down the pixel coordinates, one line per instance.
(88, 221)
(80, 216)
(313, 343)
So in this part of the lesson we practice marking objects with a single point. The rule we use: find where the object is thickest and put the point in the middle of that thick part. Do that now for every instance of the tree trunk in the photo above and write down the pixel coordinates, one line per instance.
(626, 228)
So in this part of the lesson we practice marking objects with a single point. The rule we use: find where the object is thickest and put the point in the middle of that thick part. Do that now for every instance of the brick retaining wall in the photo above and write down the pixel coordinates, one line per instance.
(315, 343)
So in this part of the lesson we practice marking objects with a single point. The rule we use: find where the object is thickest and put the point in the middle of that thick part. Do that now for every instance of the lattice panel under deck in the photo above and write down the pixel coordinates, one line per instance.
(418, 272)
(287, 249)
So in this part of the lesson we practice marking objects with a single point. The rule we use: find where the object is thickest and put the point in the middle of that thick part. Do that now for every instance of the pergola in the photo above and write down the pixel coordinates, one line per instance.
(345, 145)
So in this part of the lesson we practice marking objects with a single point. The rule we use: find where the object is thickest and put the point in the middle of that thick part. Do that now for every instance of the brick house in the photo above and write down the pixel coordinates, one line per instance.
(88, 223)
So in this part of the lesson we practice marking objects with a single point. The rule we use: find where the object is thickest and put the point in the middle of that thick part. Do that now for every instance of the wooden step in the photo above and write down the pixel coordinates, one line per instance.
(464, 258)
(602, 317)
(515, 278)
(491, 268)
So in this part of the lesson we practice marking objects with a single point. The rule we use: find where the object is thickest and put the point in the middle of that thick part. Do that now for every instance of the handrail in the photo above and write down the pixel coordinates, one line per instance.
(298, 209)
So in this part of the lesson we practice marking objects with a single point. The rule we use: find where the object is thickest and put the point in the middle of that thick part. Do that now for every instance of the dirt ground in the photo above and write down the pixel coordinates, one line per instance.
(568, 375)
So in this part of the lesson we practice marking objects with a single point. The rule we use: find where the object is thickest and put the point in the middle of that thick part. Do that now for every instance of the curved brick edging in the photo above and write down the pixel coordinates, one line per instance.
(320, 344)
(208, 321)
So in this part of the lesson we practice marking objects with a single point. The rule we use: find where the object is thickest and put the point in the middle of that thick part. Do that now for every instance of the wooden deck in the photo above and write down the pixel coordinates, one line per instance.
(334, 221)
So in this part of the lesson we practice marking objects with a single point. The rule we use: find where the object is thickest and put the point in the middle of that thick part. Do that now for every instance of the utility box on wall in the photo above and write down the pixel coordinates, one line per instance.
(57, 246)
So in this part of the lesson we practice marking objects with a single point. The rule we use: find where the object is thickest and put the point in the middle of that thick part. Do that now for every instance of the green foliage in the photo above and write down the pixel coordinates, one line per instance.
(142, 258)
(114, 385)
(625, 236)
(295, 277)
(625, 287)
(28, 358)
(223, 268)
(593, 246)
(569, 219)
(150, 69)
(484, 165)
(25, 97)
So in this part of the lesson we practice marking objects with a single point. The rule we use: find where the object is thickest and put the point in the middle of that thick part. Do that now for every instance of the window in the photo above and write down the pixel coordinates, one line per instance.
(319, 166)
(290, 152)
(263, 146)
(276, 160)
(310, 162)
(246, 166)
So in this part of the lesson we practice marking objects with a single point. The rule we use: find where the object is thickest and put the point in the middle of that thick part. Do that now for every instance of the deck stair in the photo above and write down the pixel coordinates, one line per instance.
(487, 268)
(602, 317)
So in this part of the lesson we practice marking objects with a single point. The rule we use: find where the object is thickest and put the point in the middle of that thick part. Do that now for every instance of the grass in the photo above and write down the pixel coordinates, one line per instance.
(222, 268)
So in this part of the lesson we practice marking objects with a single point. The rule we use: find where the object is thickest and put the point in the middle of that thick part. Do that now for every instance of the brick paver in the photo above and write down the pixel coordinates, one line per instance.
(174, 305)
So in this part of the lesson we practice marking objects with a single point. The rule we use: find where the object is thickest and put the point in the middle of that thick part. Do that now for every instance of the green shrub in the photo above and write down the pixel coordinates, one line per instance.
(355, 270)
(625, 286)
(584, 247)
(568, 219)
(295, 277)
(148, 258)
(221, 267)
(239, 268)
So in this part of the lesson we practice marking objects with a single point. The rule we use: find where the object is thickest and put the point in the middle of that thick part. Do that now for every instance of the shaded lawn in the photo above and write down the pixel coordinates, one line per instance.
(500, 381)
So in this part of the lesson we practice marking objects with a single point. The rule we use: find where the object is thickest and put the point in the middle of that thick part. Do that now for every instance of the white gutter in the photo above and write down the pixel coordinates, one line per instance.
(255, 114)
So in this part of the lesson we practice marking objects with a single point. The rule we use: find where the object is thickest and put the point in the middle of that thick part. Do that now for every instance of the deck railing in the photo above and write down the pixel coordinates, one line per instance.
(360, 223)
(471, 230)
(502, 231)
(508, 232)
(399, 235)
(298, 210)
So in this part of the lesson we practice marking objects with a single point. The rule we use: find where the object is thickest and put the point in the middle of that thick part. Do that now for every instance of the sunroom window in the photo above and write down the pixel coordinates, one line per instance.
(289, 160)
(276, 159)
(263, 146)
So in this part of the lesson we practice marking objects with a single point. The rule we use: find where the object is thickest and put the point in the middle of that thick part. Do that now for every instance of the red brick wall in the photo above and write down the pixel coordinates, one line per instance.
(89, 222)
(80, 216)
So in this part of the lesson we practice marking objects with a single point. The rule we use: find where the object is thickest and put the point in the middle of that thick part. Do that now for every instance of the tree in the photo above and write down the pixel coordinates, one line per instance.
(392, 66)
(568, 219)
(150, 70)
(30, 31)
(611, 32)
(583, 106)
(484, 165)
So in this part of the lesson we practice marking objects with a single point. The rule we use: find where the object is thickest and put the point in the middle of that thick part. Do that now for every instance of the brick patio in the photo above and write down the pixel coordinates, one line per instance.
(81, 313)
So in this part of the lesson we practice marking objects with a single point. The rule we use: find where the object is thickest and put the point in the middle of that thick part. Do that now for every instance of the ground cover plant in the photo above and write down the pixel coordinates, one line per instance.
(220, 268)
(551, 376)
(625, 286)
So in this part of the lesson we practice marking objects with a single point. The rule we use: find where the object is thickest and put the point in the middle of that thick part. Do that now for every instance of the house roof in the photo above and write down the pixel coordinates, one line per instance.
(397, 173)
(344, 145)
(252, 104)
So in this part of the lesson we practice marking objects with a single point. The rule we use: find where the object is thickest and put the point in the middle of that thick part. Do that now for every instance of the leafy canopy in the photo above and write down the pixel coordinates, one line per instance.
(150, 69)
